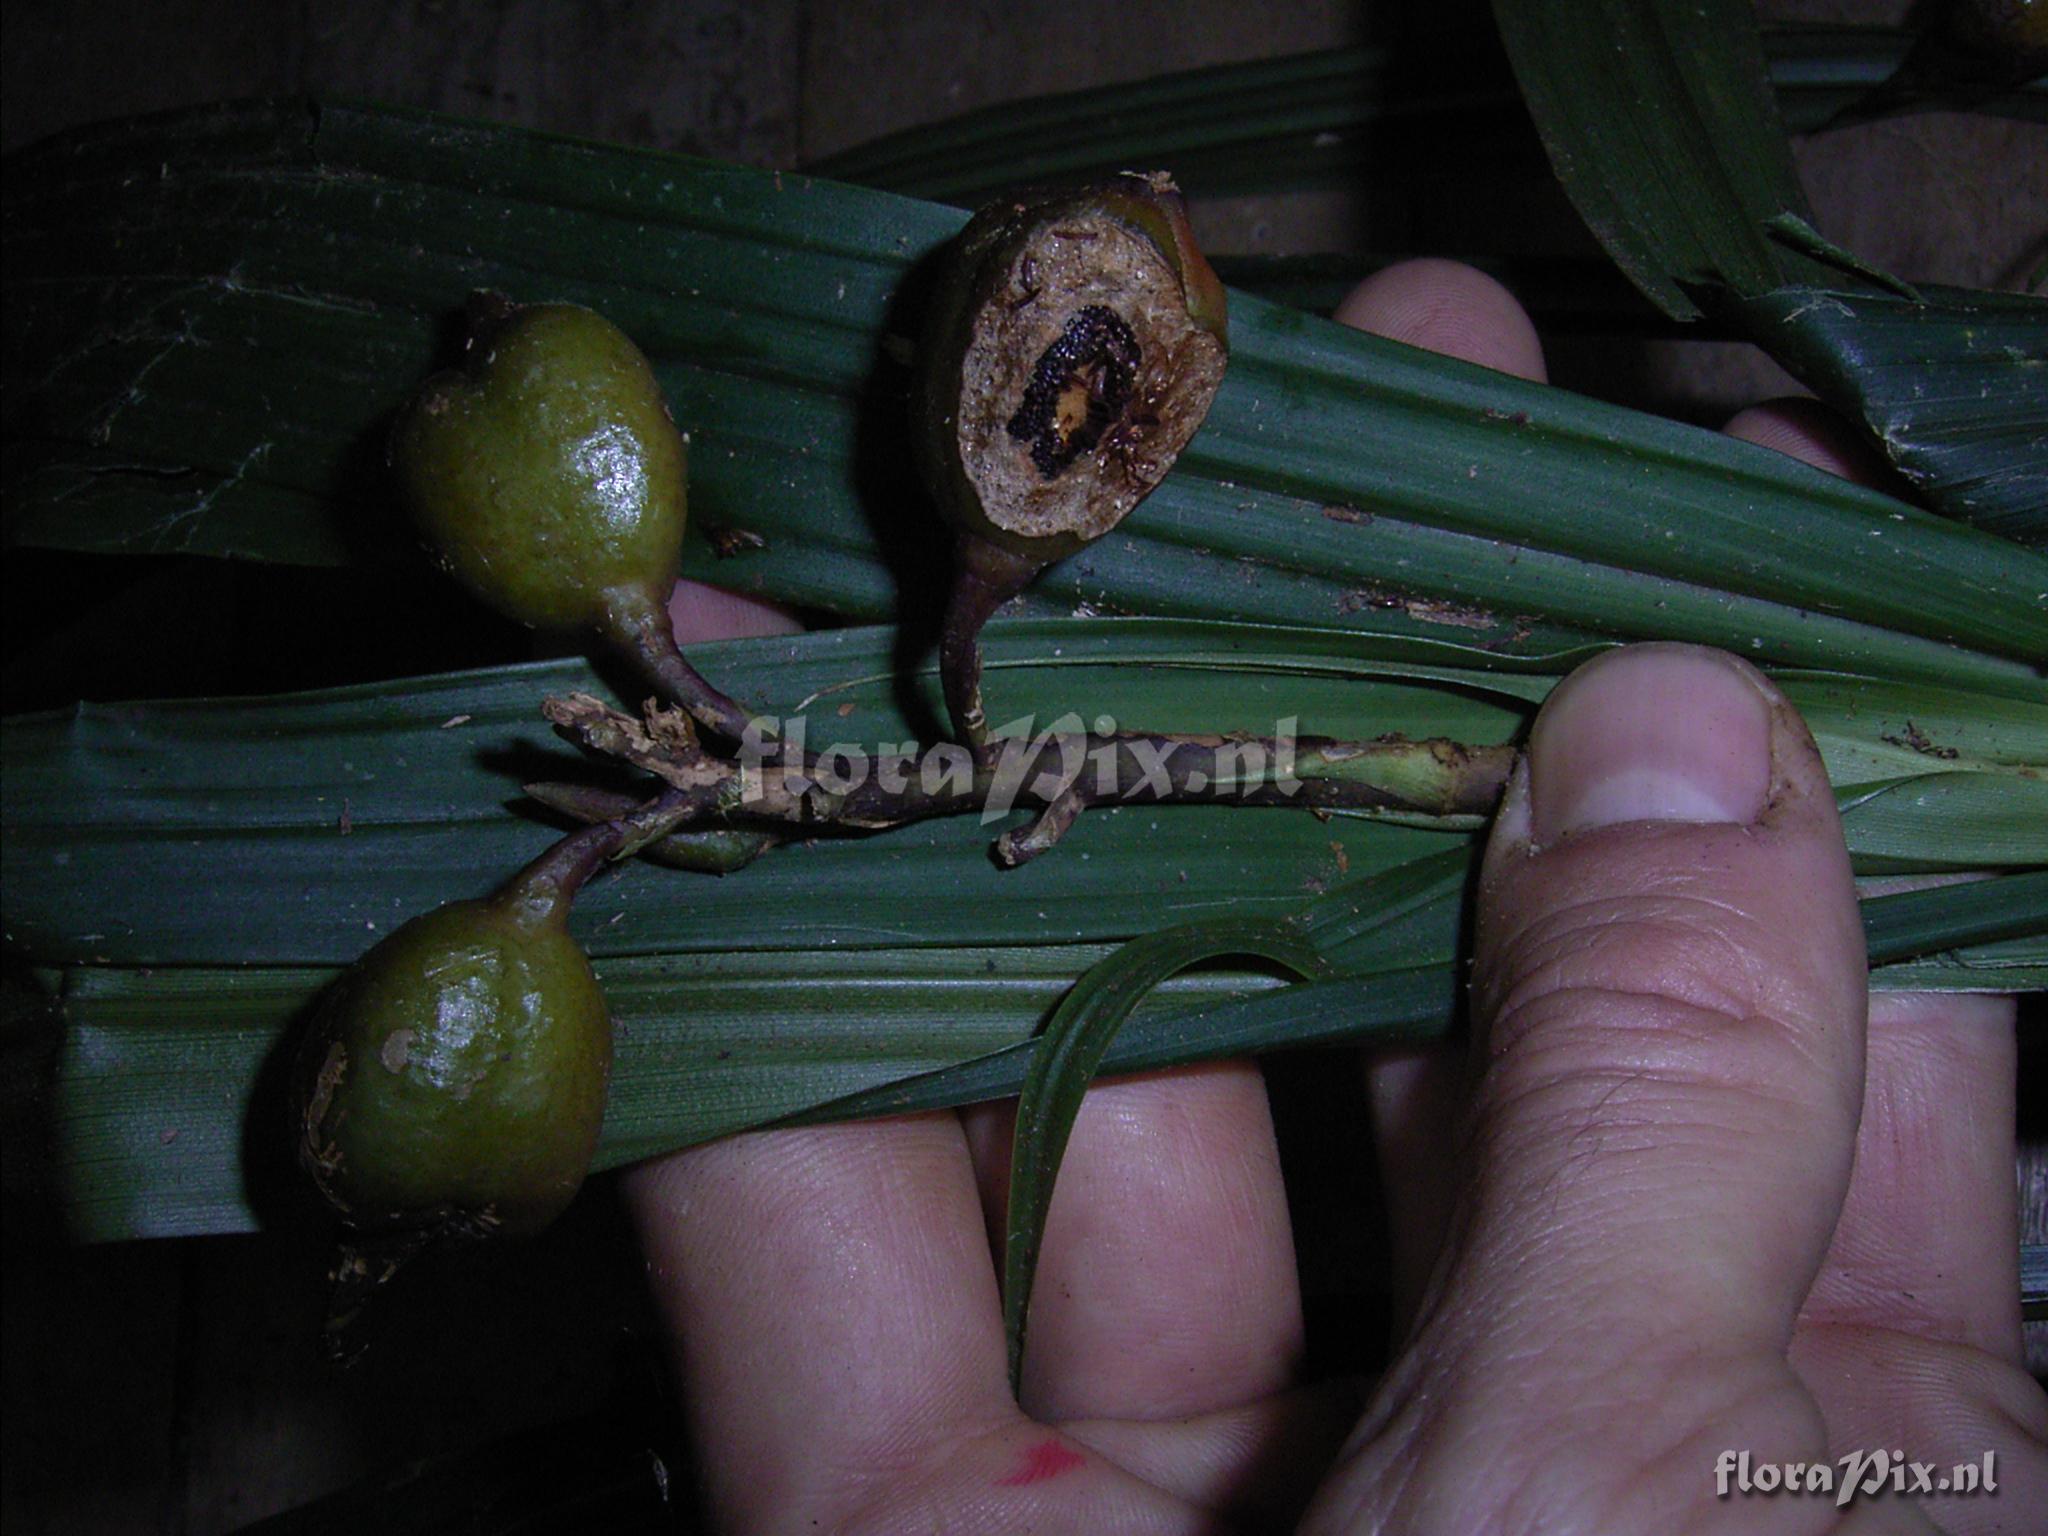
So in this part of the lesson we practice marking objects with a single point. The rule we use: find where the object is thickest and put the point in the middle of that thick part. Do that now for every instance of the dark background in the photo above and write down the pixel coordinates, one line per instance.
(175, 1387)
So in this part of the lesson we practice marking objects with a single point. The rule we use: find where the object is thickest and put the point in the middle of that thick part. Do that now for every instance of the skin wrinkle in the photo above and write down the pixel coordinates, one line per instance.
(886, 1432)
(1163, 1221)
(1380, 1470)
(1884, 1386)
(1234, 1472)
(874, 1474)
(926, 1482)
(1581, 928)
(1524, 1175)
(1684, 1049)
(1589, 1220)
(1586, 1345)
(1702, 963)
(1677, 1463)
(1928, 1365)
(1502, 1369)
(1452, 1431)
(881, 1471)
(1666, 1400)
(1933, 1066)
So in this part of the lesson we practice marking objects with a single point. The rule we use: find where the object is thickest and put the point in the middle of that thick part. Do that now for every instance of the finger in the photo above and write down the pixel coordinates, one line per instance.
(830, 1299)
(1928, 1241)
(698, 612)
(1926, 1244)
(1446, 307)
(825, 1291)
(1166, 1284)
(1910, 1338)
(1812, 433)
(1141, 1310)
(1668, 997)
(1669, 951)
(1256, 1464)
(1450, 308)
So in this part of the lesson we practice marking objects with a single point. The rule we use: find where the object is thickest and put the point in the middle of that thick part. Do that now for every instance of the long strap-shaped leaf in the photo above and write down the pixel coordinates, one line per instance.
(1315, 943)
(1658, 122)
(1378, 1008)
(1660, 126)
(156, 1120)
(1954, 383)
(1275, 125)
(294, 830)
(1916, 923)
(1352, 925)
(1071, 1050)
(1060, 1066)
(212, 315)
(297, 829)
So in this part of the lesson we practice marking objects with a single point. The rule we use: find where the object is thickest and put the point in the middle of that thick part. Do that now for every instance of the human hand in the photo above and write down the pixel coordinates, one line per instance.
(1666, 1204)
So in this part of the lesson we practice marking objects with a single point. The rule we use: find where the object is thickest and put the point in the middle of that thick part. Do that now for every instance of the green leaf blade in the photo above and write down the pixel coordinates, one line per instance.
(154, 1113)
(1305, 120)
(776, 309)
(1656, 121)
(295, 830)
(1068, 1055)
(1954, 385)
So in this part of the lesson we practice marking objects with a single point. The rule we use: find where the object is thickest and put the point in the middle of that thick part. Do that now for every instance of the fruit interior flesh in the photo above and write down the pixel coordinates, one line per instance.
(1084, 377)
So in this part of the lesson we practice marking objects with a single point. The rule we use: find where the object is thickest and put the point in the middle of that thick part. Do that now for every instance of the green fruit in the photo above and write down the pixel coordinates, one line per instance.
(548, 479)
(455, 1077)
(546, 473)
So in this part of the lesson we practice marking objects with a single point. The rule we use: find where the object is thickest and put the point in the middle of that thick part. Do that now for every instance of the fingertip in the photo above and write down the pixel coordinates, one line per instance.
(1811, 432)
(700, 612)
(1448, 308)
(1655, 732)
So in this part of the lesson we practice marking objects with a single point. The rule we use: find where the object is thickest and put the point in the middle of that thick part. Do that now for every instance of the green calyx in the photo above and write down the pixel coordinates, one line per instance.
(545, 472)
(455, 1077)
(1072, 349)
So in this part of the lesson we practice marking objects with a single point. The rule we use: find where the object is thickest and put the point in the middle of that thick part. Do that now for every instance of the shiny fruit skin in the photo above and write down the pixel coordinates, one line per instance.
(546, 473)
(457, 1073)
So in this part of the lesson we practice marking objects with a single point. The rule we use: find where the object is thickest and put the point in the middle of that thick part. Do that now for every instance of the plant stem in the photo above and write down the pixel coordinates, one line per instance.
(639, 626)
(1062, 774)
(987, 577)
(712, 850)
(543, 891)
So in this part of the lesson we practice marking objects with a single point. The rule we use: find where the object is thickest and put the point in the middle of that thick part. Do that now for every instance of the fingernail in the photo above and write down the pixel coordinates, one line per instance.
(1651, 733)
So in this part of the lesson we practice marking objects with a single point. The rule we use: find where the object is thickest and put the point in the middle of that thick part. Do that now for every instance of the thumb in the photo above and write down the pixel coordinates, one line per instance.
(1669, 994)
(1668, 1006)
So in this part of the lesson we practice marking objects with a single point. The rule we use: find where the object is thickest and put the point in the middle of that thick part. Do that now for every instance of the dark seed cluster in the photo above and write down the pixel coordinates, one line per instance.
(1078, 388)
